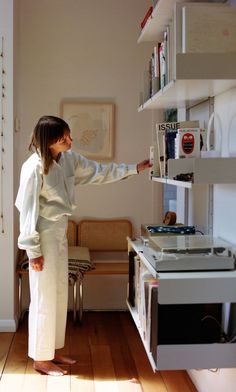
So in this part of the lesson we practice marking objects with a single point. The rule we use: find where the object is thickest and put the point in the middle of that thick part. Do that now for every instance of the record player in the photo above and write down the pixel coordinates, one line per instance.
(189, 253)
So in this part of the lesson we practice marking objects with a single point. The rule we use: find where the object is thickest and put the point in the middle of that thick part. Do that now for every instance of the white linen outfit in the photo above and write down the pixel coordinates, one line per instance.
(45, 202)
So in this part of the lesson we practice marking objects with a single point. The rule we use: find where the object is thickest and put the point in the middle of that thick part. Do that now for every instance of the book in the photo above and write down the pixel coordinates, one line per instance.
(147, 280)
(161, 151)
(162, 56)
(153, 79)
(166, 133)
(146, 17)
(152, 316)
(137, 264)
(187, 143)
(146, 85)
(157, 65)
(131, 286)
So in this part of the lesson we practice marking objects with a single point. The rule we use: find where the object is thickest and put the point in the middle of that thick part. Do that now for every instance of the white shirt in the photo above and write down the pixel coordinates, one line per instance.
(53, 195)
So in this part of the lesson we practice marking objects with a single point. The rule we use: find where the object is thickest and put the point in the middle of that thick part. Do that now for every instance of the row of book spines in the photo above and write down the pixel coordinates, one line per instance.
(159, 67)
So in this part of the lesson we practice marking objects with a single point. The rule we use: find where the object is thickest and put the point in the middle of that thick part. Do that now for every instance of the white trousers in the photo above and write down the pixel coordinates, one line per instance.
(49, 292)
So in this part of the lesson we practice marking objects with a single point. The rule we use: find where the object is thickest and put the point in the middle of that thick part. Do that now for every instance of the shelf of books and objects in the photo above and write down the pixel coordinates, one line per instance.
(193, 59)
(194, 53)
(178, 314)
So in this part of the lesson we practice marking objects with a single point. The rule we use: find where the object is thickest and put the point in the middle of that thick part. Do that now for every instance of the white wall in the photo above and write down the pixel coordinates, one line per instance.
(88, 49)
(7, 275)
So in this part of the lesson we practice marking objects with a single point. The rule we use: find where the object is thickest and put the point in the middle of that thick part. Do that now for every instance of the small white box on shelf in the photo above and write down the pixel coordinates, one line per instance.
(154, 160)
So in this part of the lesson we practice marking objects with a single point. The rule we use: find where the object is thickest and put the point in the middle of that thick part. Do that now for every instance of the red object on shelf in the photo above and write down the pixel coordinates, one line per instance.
(148, 14)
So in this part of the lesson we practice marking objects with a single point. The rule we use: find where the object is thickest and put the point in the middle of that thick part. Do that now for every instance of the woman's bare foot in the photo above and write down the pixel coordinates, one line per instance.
(64, 360)
(49, 368)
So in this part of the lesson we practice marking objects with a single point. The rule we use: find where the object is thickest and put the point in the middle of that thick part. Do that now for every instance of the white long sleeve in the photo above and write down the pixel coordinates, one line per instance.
(27, 202)
(53, 195)
(91, 172)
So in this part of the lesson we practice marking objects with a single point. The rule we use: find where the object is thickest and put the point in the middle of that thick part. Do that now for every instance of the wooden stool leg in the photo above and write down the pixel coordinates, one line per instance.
(75, 301)
(20, 296)
(80, 300)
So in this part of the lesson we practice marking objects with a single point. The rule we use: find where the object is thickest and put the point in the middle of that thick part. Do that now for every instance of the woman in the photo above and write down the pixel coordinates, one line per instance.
(45, 200)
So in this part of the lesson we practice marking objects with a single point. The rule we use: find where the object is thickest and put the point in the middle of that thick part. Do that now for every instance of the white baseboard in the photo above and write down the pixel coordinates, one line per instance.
(8, 325)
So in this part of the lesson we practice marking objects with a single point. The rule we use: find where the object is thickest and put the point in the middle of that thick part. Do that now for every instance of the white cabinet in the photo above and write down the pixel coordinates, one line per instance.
(181, 327)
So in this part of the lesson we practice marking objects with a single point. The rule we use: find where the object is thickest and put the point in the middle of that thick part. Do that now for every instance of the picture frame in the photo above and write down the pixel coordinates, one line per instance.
(92, 126)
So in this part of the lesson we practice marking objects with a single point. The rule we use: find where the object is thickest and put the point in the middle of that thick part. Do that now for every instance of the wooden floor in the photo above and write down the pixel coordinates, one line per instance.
(110, 358)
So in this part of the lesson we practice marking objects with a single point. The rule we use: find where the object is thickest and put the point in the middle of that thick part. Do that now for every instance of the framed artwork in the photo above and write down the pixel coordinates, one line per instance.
(92, 127)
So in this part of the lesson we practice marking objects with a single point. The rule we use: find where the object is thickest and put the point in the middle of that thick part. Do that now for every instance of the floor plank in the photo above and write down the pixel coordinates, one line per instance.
(124, 366)
(33, 381)
(150, 381)
(14, 372)
(6, 339)
(82, 377)
(110, 357)
(104, 373)
(176, 381)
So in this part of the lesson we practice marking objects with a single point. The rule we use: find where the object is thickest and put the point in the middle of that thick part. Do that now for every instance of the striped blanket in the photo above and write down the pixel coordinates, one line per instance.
(78, 262)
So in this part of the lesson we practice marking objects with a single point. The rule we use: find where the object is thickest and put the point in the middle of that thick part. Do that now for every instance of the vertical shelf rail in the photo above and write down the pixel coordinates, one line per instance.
(2, 134)
(211, 187)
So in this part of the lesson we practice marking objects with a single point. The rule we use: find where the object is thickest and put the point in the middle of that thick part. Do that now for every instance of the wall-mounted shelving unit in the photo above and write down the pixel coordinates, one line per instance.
(194, 77)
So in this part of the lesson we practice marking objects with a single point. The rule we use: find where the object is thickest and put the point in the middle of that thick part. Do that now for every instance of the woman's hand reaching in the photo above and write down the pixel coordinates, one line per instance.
(143, 165)
(37, 263)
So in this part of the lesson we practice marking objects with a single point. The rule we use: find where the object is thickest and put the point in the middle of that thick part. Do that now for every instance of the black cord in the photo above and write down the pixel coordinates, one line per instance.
(199, 231)
(224, 336)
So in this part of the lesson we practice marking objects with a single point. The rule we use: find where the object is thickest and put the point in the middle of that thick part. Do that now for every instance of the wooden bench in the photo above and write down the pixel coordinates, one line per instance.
(106, 240)
(101, 237)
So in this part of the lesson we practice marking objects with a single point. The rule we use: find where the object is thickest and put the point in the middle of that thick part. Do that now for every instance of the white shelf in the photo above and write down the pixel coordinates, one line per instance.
(205, 170)
(196, 287)
(157, 22)
(196, 356)
(183, 184)
(180, 356)
(181, 93)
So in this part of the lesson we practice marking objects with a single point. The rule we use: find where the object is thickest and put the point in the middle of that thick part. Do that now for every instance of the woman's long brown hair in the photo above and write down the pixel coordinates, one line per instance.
(47, 131)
